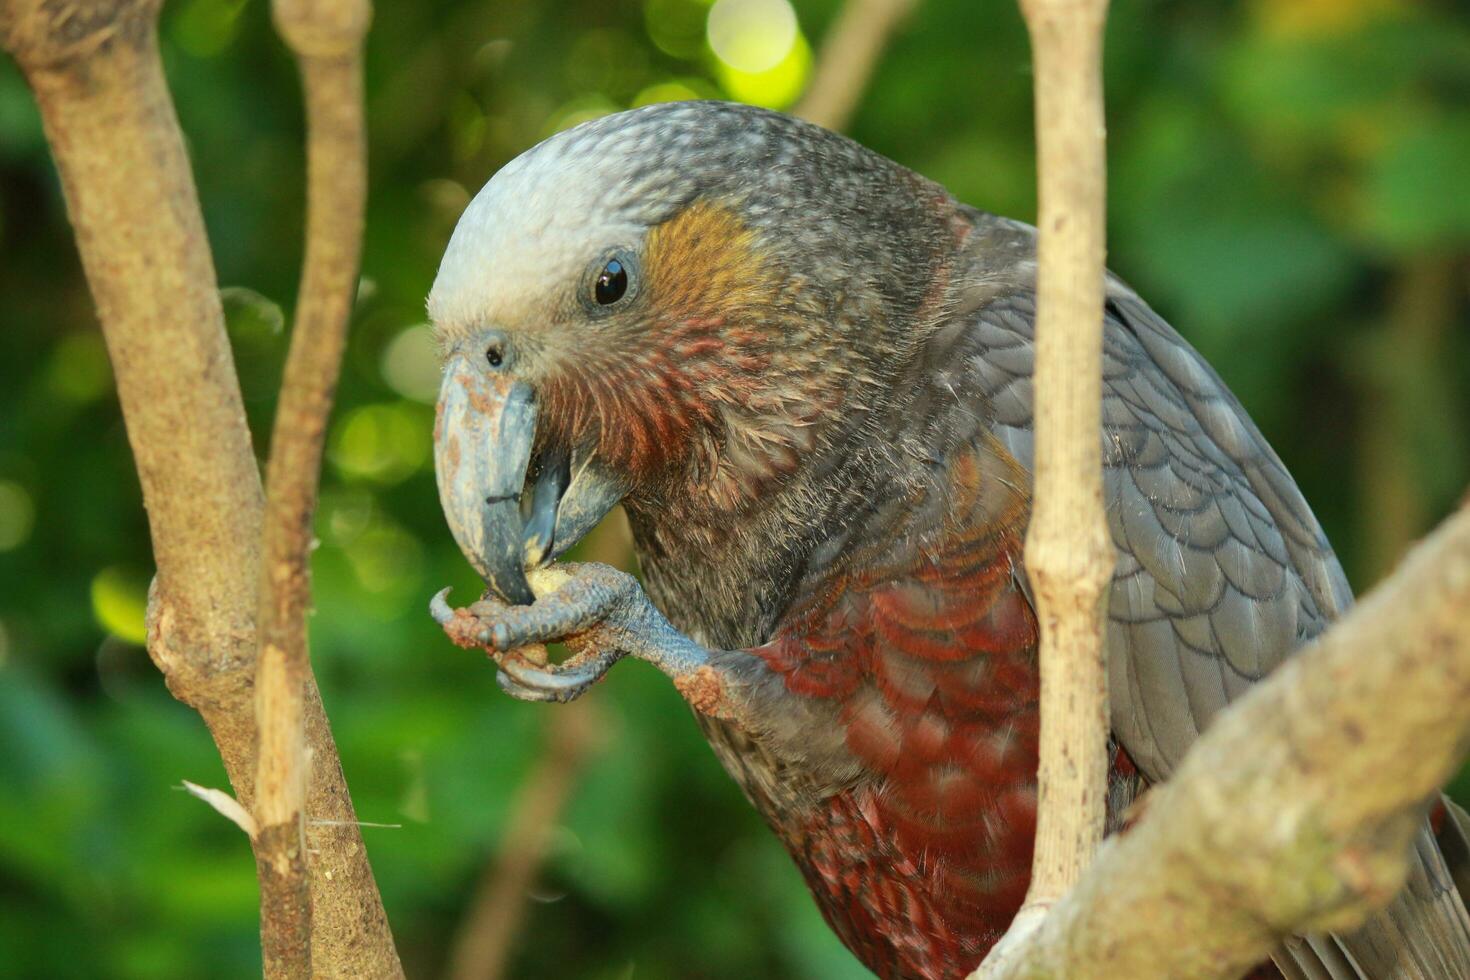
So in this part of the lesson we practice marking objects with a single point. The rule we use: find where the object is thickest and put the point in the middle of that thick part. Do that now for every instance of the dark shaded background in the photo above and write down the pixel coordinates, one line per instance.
(1290, 185)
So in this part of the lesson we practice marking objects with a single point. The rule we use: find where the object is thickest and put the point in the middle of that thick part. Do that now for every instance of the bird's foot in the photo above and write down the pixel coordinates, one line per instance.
(600, 613)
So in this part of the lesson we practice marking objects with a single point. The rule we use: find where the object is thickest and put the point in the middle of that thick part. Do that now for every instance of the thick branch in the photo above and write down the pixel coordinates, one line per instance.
(1069, 555)
(849, 54)
(131, 199)
(1294, 812)
(96, 75)
(327, 38)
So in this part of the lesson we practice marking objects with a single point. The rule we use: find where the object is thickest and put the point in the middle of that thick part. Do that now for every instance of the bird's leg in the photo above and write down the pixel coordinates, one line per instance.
(602, 615)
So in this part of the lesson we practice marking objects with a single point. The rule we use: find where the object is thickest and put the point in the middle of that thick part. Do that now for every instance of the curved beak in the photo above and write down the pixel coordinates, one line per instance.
(510, 510)
(483, 433)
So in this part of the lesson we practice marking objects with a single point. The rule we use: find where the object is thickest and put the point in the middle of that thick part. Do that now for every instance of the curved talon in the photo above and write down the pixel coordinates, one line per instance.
(566, 679)
(585, 609)
(520, 692)
(524, 691)
(439, 607)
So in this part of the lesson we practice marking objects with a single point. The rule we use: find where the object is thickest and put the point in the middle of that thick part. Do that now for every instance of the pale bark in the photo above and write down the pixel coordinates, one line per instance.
(849, 54)
(95, 71)
(1069, 554)
(131, 199)
(1295, 811)
(326, 36)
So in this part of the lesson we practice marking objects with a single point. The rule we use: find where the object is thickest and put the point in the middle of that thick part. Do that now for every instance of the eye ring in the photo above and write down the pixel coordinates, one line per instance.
(612, 281)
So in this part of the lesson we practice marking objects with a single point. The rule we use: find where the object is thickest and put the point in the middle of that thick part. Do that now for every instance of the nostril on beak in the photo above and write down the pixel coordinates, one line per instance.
(497, 350)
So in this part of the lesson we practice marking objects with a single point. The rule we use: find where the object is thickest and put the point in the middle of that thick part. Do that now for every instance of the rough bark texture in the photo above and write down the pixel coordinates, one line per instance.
(1069, 554)
(95, 71)
(1295, 811)
(327, 39)
(96, 74)
(280, 863)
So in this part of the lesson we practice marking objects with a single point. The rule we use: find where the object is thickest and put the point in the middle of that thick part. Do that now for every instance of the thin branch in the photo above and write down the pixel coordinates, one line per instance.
(1294, 813)
(97, 79)
(1069, 554)
(486, 938)
(849, 54)
(327, 39)
(1400, 372)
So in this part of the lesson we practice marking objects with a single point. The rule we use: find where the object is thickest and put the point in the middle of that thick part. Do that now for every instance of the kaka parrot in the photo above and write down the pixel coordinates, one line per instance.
(805, 373)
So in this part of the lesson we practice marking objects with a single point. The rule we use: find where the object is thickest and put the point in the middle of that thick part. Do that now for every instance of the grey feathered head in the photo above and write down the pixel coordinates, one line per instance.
(685, 294)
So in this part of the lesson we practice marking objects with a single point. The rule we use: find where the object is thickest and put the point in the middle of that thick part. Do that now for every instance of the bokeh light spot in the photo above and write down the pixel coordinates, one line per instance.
(578, 111)
(120, 603)
(1318, 18)
(382, 443)
(78, 370)
(775, 88)
(414, 804)
(346, 513)
(204, 28)
(448, 197)
(676, 90)
(676, 27)
(466, 122)
(17, 515)
(410, 364)
(752, 36)
(252, 316)
(606, 61)
(388, 562)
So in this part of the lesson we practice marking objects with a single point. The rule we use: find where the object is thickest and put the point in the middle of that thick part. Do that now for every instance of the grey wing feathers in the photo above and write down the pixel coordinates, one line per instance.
(1222, 569)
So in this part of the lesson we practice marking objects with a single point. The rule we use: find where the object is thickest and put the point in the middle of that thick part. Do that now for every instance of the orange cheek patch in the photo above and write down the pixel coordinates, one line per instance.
(705, 283)
(704, 264)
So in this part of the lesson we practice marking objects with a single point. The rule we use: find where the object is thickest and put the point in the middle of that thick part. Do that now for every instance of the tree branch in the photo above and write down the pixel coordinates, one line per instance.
(1069, 554)
(327, 39)
(111, 126)
(1399, 370)
(849, 54)
(485, 939)
(95, 71)
(1294, 813)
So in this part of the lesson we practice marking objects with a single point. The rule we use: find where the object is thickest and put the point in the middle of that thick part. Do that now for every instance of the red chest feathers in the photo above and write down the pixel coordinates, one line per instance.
(920, 866)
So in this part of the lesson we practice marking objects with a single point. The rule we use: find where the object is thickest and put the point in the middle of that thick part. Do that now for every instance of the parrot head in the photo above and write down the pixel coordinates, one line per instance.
(681, 306)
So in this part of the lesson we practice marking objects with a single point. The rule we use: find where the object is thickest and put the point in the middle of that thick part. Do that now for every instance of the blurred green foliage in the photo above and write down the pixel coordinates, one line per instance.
(1290, 185)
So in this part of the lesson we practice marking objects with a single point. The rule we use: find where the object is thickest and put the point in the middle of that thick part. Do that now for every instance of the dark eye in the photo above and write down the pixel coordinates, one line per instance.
(611, 284)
